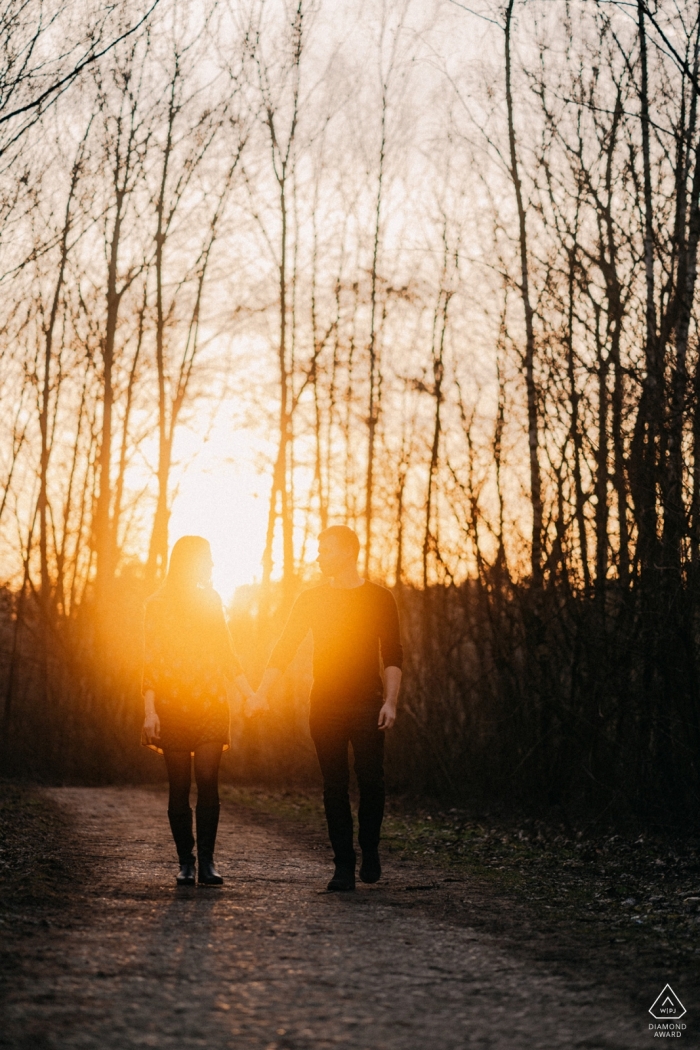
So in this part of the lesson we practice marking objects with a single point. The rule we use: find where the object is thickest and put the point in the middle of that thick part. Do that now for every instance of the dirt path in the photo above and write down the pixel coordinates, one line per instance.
(272, 961)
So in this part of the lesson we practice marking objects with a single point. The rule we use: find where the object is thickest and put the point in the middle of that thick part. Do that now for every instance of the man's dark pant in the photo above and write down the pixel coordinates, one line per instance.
(331, 733)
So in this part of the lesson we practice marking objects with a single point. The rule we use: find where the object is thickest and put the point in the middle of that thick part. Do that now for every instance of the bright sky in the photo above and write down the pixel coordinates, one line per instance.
(223, 484)
(223, 497)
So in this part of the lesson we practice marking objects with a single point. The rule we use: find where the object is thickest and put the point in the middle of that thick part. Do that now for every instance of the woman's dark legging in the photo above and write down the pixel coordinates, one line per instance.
(206, 770)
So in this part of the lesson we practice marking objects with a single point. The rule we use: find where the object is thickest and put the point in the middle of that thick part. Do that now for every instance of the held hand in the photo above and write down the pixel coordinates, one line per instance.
(387, 715)
(255, 703)
(151, 726)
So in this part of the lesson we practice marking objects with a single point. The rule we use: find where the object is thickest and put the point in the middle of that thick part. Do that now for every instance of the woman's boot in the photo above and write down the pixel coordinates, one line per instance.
(181, 827)
(207, 823)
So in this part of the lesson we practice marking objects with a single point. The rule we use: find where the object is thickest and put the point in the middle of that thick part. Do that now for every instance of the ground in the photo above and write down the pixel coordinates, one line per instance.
(474, 937)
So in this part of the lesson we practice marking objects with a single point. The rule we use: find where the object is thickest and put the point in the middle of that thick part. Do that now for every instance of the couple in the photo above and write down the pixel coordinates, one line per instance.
(188, 656)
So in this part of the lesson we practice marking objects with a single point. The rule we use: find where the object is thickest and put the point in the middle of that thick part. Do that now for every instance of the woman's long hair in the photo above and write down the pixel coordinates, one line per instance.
(185, 615)
(185, 573)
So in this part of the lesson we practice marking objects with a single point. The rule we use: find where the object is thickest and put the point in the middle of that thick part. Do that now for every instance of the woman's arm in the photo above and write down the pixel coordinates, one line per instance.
(151, 661)
(230, 663)
(151, 722)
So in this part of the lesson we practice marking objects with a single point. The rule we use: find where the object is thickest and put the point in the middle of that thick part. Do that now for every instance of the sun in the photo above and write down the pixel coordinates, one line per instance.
(220, 495)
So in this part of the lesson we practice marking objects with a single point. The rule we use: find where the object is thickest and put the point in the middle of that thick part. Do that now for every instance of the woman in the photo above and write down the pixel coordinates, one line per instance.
(187, 658)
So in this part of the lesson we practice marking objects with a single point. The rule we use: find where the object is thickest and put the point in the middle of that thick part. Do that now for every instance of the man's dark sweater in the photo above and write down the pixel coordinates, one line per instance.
(350, 627)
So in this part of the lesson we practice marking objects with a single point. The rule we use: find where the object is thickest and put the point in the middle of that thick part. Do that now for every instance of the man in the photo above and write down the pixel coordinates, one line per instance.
(351, 620)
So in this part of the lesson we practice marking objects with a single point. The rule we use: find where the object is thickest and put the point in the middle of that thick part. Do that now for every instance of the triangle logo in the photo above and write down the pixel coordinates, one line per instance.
(667, 1006)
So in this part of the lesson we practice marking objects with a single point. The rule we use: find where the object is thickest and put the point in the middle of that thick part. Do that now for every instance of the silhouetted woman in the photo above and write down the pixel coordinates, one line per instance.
(187, 658)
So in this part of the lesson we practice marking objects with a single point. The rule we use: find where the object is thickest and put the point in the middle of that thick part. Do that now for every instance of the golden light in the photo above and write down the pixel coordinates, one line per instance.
(221, 495)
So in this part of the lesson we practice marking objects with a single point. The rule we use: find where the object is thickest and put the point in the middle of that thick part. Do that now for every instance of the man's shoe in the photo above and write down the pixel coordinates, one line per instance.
(186, 874)
(208, 875)
(371, 868)
(343, 880)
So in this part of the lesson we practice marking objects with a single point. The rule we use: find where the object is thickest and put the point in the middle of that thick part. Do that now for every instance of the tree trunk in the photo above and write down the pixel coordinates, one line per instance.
(46, 589)
(529, 355)
(576, 437)
(643, 457)
(104, 539)
(373, 406)
(674, 510)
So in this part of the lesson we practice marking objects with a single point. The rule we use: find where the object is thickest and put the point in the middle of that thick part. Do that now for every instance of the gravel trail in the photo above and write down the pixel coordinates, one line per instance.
(271, 961)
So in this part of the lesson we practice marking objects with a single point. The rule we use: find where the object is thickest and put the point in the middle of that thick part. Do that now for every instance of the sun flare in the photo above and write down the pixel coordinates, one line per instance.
(221, 496)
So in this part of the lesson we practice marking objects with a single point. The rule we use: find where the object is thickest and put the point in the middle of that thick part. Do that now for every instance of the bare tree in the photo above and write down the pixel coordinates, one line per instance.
(125, 136)
(281, 144)
(181, 159)
(29, 81)
(529, 354)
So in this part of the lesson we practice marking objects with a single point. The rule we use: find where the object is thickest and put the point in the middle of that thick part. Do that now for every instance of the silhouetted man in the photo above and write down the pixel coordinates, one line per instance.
(352, 621)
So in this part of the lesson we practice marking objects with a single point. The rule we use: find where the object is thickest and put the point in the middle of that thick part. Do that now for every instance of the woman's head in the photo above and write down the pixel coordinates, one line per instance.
(190, 564)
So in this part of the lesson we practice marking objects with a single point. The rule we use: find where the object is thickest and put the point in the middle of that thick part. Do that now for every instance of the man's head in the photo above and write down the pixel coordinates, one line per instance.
(338, 548)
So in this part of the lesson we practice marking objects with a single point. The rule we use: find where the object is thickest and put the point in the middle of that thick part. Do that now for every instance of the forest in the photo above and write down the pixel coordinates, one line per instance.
(424, 268)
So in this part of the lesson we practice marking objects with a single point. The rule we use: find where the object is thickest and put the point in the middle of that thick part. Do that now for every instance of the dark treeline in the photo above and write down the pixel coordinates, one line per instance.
(445, 269)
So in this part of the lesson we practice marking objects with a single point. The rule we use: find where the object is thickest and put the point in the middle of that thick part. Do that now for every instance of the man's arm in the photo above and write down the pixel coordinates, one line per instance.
(392, 684)
(295, 631)
(244, 687)
(392, 657)
(258, 701)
